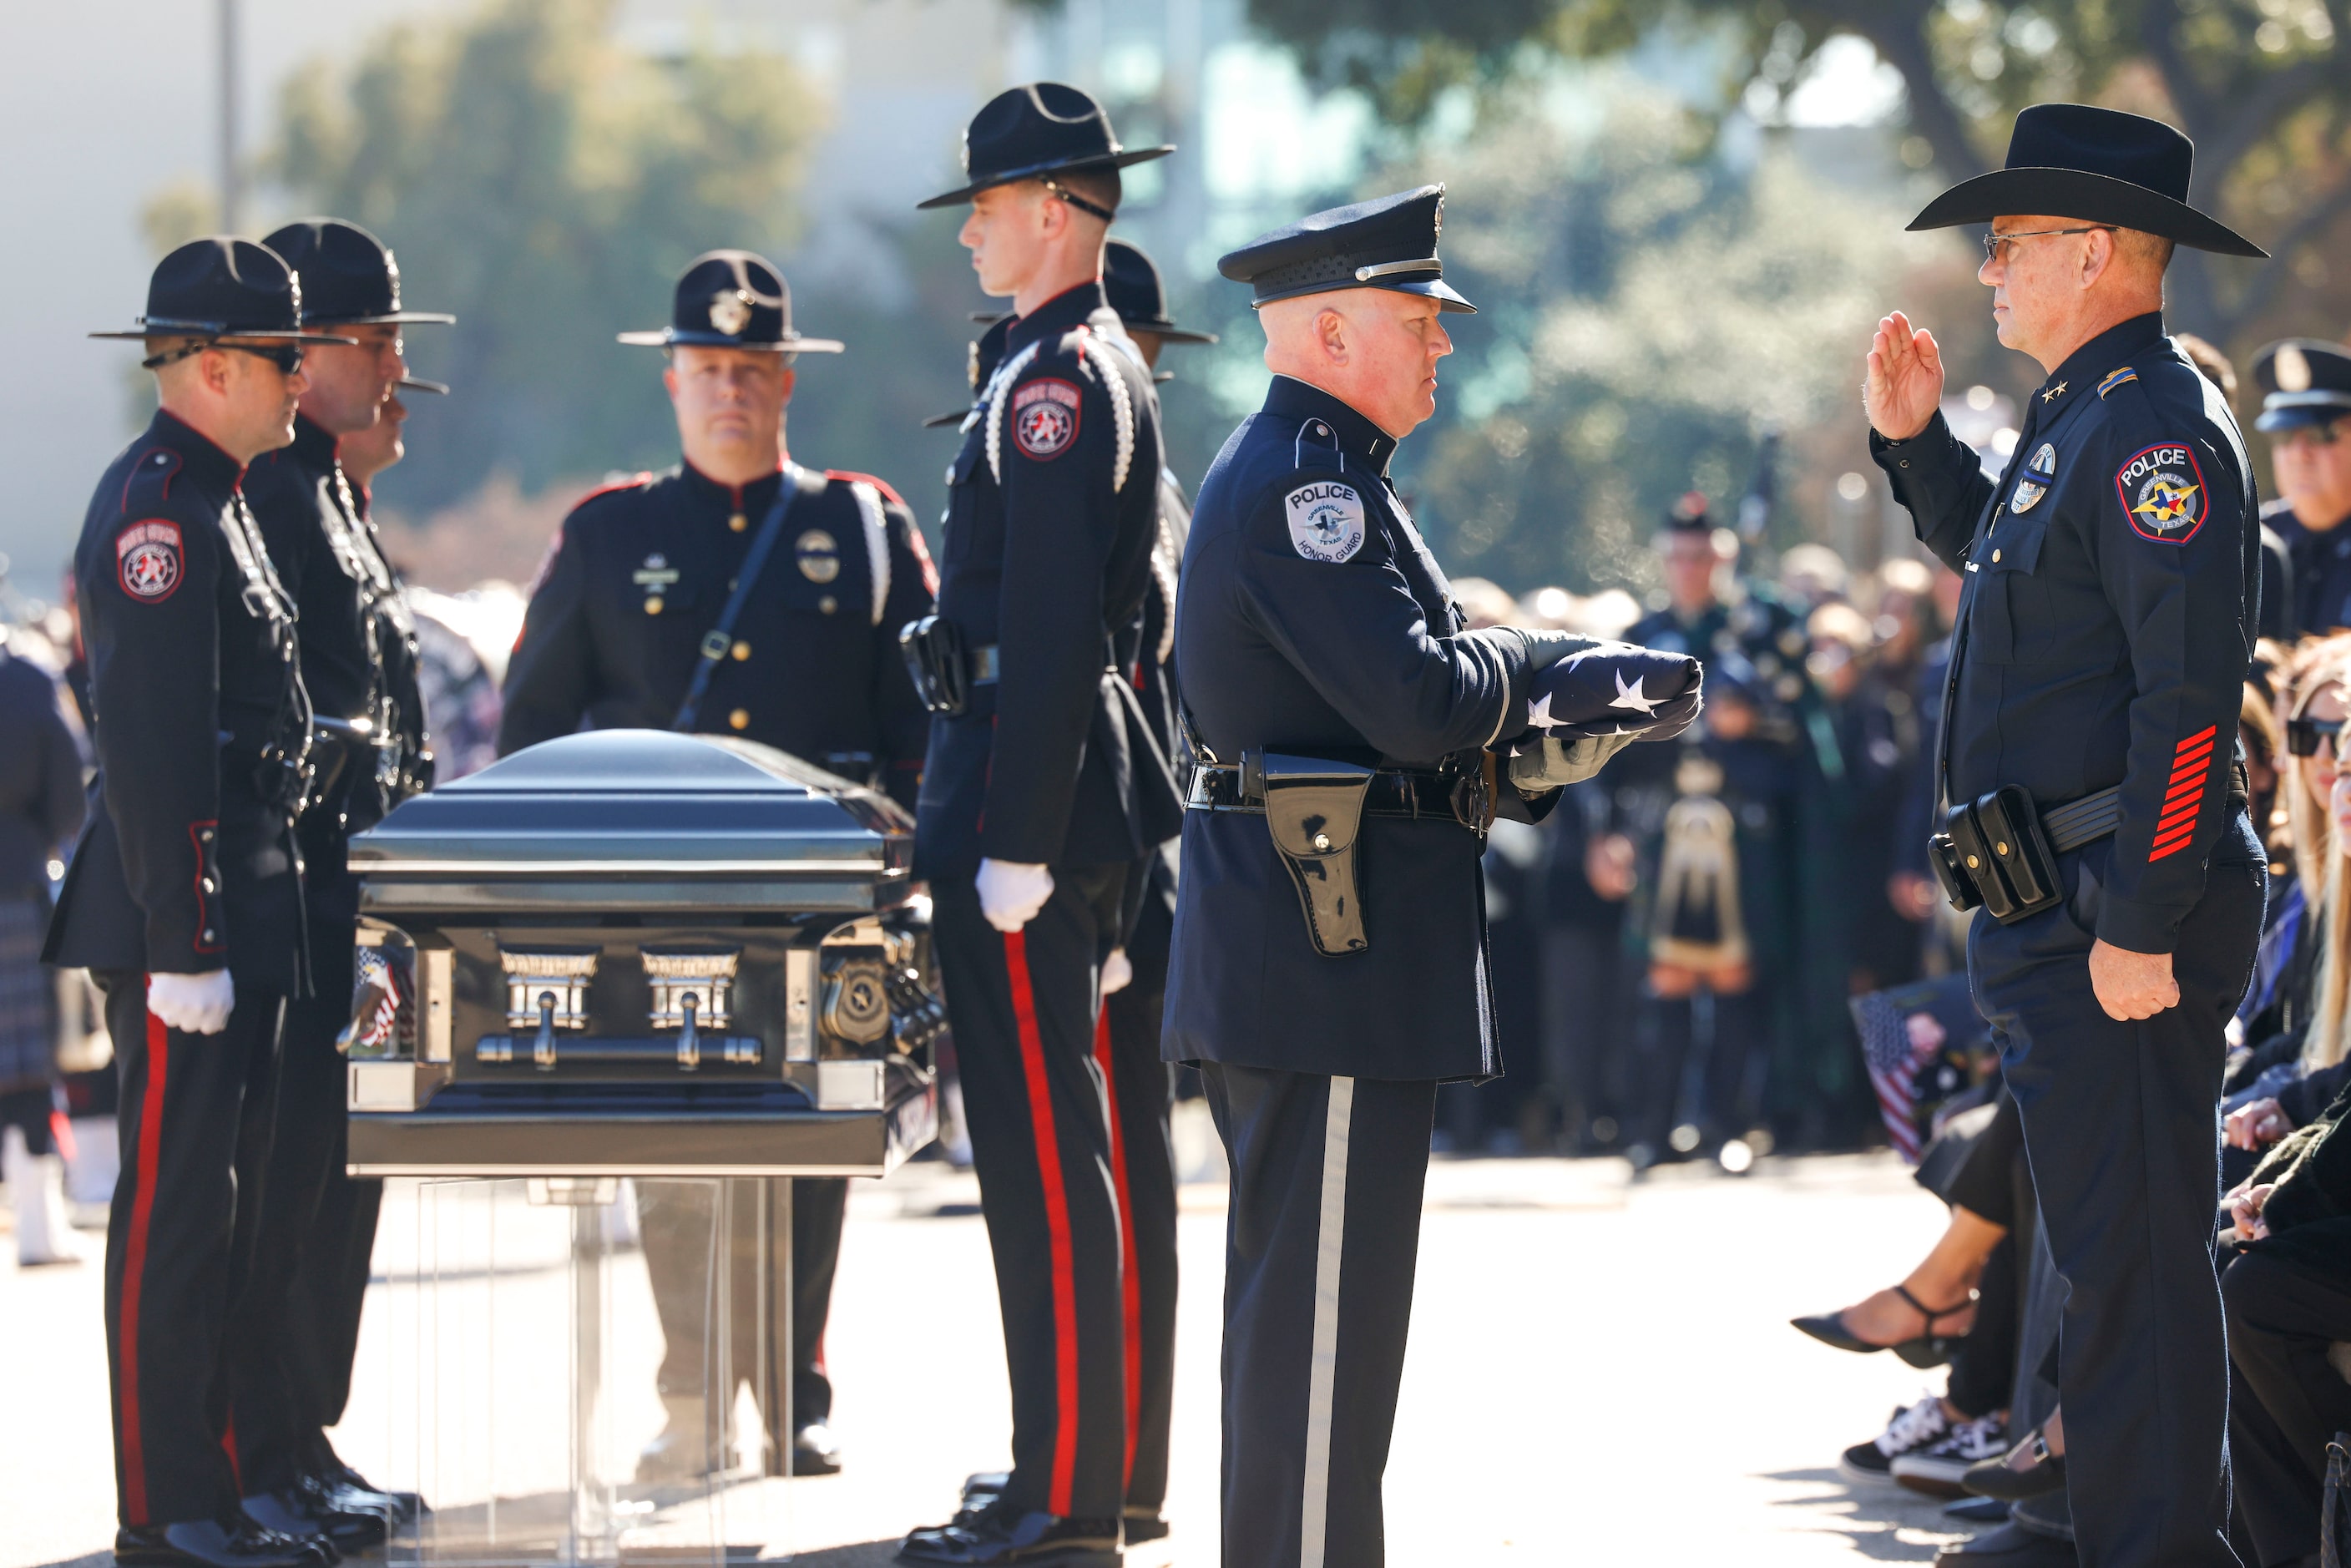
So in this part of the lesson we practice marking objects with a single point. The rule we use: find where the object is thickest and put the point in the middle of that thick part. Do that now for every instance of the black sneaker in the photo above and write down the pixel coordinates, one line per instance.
(1910, 1430)
(994, 1534)
(1937, 1469)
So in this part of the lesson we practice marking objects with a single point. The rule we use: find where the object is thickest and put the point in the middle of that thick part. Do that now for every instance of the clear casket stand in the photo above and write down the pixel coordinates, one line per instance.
(608, 988)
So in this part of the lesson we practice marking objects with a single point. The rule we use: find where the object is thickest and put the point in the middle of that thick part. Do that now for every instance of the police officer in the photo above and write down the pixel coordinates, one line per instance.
(359, 664)
(184, 897)
(2306, 414)
(1698, 559)
(1311, 620)
(737, 593)
(2107, 625)
(1044, 785)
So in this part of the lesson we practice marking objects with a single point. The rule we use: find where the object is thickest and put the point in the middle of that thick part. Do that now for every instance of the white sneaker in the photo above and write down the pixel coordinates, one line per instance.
(1936, 1468)
(1911, 1430)
(36, 1195)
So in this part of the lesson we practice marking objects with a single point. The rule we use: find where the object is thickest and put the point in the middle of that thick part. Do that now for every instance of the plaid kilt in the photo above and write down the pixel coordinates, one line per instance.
(28, 1020)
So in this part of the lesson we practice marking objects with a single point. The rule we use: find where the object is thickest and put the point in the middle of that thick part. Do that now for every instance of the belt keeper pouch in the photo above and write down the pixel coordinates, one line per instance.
(1314, 809)
(933, 650)
(2021, 849)
(1943, 859)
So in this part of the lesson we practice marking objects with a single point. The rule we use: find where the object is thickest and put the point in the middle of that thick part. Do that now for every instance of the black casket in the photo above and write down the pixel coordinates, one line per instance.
(634, 952)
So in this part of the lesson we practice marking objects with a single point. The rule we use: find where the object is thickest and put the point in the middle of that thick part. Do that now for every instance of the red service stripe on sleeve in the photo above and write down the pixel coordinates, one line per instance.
(2193, 773)
(2189, 756)
(2201, 736)
(2174, 827)
(2174, 847)
(2191, 791)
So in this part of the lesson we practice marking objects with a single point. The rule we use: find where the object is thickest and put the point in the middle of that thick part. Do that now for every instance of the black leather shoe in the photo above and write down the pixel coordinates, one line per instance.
(978, 1488)
(994, 1534)
(354, 1493)
(1144, 1524)
(207, 1544)
(300, 1510)
(286, 1513)
(816, 1451)
(2009, 1546)
(2026, 1470)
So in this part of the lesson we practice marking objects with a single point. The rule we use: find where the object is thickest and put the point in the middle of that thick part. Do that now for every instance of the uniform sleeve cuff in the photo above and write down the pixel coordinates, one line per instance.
(2137, 928)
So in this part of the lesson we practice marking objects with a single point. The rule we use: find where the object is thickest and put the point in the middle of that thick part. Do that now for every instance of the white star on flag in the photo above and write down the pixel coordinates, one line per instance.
(1539, 714)
(1631, 697)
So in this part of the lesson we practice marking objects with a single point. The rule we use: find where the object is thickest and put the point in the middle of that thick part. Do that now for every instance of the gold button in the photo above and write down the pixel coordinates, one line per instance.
(652, 604)
(740, 718)
(828, 604)
(742, 650)
(1974, 863)
(1999, 848)
(738, 522)
(1995, 556)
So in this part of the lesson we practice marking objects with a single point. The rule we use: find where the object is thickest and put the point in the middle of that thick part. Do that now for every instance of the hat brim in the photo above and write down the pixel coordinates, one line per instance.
(1168, 333)
(2077, 193)
(389, 319)
(1435, 288)
(2299, 410)
(1123, 160)
(941, 420)
(671, 338)
(226, 340)
(418, 384)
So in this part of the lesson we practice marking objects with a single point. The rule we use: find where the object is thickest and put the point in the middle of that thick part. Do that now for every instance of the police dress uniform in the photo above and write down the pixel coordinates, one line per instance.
(624, 614)
(187, 866)
(1052, 517)
(1312, 619)
(2104, 635)
(359, 664)
(2307, 384)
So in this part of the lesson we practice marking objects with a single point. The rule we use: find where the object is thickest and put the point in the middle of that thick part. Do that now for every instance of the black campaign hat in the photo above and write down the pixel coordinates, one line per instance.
(1028, 132)
(733, 299)
(2303, 381)
(224, 288)
(349, 276)
(1389, 242)
(2099, 166)
(1132, 286)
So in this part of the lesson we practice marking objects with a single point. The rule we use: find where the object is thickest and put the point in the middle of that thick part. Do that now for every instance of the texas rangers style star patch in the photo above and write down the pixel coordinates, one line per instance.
(1326, 521)
(147, 558)
(2162, 492)
(1045, 416)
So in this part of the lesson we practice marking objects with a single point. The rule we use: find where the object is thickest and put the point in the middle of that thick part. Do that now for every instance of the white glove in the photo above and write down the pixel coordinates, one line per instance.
(192, 1004)
(1012, 892)
(1117, 972)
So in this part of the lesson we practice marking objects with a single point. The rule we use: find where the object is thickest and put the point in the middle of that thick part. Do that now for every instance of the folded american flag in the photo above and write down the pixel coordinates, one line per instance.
(1615, 689)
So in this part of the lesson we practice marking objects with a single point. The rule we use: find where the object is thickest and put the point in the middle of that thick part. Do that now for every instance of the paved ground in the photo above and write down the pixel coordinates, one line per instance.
(1600, 1372)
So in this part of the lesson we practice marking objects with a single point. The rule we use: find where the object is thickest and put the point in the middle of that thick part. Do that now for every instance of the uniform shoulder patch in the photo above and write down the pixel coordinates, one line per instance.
(1326, 520)
(2162, 491)
(1045, 412)
(149, 561)
(2116, 378)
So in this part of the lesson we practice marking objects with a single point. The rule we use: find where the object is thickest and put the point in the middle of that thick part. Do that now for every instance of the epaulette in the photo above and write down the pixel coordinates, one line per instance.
(637, 481)
(2116, 378)
(151, 473)
(850, 476)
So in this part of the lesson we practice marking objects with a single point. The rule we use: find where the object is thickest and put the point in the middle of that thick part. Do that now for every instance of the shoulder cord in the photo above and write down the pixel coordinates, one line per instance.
(994, 400)
(1164, 556)
(877, 542)
(1091, 350)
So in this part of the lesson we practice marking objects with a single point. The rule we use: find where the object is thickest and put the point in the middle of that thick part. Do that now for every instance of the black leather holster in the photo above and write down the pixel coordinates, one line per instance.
(1314, 809)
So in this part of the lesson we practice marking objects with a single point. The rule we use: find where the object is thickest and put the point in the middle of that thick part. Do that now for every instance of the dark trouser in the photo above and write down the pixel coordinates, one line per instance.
(2287, 1402)
(279, 1352)
(1583, 1070)
(1320, 1241)
(331, 1285)
(1023, 1009)
(2121, 1131)
(676, 1218)
(1707, 1056)
(1983, 1363)
(1143, 1169)
(195, 1121)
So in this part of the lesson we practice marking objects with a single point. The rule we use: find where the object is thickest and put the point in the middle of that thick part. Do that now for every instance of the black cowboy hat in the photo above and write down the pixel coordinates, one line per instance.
(733, 299)
(1131, 283)
(2098, 165)
(225, 290)
(1044, 128)
(349, 276)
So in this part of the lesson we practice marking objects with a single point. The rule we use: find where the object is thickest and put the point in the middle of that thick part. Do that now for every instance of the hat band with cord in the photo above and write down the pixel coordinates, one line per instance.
(1105, 214)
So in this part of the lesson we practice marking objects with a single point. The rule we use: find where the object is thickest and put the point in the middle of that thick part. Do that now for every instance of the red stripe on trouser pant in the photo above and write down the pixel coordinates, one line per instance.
(1130, 1282)
(134, 1267)
(1057, 1224)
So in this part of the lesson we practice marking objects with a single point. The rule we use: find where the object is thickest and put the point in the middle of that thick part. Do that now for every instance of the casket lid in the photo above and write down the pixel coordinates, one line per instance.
(625, 803)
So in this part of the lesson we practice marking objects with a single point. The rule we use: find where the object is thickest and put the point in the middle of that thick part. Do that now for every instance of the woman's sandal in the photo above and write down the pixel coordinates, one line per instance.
(1927, 1349)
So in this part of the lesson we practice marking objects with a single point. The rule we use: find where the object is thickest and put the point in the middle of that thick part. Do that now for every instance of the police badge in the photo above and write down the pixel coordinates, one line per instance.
(730, 312)
(2039, 475)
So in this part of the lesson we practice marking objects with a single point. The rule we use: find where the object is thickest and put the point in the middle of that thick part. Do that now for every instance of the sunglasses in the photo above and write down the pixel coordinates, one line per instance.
(287, 357)
(2313, 435)
(2302, 734)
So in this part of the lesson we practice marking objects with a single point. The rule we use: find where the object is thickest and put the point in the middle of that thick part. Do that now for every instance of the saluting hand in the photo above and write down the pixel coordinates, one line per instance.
(2131, 985)
(1904, 385)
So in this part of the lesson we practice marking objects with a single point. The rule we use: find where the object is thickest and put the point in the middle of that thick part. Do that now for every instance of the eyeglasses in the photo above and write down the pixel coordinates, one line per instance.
(287, 358)
(1994, 243)
(2313, 436)
(2302, 734)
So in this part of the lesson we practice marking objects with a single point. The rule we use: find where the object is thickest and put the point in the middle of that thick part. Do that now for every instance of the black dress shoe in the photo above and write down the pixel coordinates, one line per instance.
(1977, 1511)
(816, 1451)
(1144, 1524)
(995, 1534)
(286, 1514)
(2003, 1478)
(207, 1544)
(353, 1492)
(300, 1509)
(977, 1489)
(2008, 1546)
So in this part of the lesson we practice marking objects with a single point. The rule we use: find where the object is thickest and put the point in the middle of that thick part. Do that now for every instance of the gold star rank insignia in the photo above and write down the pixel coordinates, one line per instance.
(2053, 393)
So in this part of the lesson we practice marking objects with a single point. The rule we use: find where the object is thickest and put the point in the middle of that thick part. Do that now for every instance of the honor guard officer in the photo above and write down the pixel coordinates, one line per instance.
(359, 664)
(737, 593)
(184, 896)
(2093, 808)
(1140, 1086)
(1044, 785)
(2306, 414)
(1341, 714)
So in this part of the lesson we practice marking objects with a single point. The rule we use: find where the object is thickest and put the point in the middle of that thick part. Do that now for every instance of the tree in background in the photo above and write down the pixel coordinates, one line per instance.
(2263, 85)
(547, 185)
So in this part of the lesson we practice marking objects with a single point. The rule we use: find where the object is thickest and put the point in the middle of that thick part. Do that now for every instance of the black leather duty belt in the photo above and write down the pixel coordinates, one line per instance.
(1393, 792)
